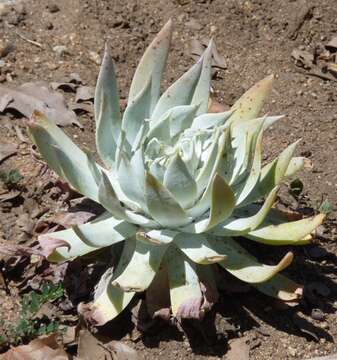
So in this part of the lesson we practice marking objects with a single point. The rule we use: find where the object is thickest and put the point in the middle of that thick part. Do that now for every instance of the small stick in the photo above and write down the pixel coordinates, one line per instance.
(28, 40)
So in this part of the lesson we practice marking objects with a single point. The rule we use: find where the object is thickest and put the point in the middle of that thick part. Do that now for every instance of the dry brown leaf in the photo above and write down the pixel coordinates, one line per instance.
(332, 45)
(37, 96)
(12, 249)
(85, 93)
(82, 107)
(239, 350)
(197, 47)
(90, 348)
(65, 86)
(303, 58)
(122, 351)
(45, 348)
(69, 219)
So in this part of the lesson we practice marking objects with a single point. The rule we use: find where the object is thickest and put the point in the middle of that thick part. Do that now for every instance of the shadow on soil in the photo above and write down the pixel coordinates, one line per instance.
(237, 313)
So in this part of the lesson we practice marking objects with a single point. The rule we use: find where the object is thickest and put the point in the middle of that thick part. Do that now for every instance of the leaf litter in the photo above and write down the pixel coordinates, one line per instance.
(321, 62)
(32, 96)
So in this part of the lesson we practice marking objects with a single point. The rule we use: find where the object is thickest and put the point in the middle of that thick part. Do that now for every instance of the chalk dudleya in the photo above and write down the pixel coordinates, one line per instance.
(178, 185)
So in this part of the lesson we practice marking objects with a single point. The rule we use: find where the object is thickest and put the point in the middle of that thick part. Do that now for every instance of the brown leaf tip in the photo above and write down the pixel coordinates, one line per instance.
(35, 118)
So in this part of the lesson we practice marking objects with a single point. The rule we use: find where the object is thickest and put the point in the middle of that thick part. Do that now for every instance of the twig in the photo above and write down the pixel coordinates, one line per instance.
(35, 43)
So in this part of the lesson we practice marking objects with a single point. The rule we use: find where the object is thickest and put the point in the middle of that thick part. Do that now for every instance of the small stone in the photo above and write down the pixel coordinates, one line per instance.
(213, 29)
(49, 26)
(317, 314)
(60, 50)
(52, 66)
(324, 325)
(53, 8)
(2, 63)
(9, 77)
(5, 48)
(117, 21)
(94, 57)
(317, 252)
(292, 351)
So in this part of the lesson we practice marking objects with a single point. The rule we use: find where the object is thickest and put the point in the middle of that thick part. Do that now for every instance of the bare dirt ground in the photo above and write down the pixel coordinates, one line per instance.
(257, 38)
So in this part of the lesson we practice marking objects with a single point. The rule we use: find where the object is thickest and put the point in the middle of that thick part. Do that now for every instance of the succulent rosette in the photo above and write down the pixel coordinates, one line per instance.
(178, 185)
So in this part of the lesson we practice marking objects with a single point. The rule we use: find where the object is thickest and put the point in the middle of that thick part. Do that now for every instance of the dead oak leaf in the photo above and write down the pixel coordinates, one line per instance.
(37, 96)
(239, 350)
(45, 348)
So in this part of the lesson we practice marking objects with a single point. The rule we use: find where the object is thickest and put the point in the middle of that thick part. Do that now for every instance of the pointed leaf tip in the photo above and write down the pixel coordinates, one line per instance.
(251, 102)
(286, 260)
(36, 118)
(152, 64)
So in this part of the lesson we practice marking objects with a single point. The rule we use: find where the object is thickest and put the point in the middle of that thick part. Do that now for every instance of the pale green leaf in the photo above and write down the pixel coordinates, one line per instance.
(240, 225)
(107, 111)
(243, 191)
(251, 102)
(296, 164)
(245, 266)
(280, 287)
(179, 182)
(212, 159)
(206, 121)
(288, 233)
(197, 248)
(172, 123)
(221, 204)
(152, 65)
(86, 238)
(158, 237)
(183, 280)
(137, 111)
(109, 300)
(140, 271)
(131, 178)
(179, 93)
(78, 175)
(271, 175)
(45, 134)
(109, 199)
(181, 118)
(201, 92)
(161, 204)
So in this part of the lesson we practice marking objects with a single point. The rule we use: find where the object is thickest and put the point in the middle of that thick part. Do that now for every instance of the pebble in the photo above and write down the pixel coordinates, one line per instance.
(117, 21)
(292, 351)
(213, 29)
(49, 26)
(5, 48)
(94, 57)
(317, 252)
(317, 314)
(53, 8)
(60, 49)
(2, 63)
(324, 325)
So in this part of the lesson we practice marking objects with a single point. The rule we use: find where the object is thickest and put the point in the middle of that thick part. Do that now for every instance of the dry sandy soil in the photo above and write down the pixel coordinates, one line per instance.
(257, 38)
